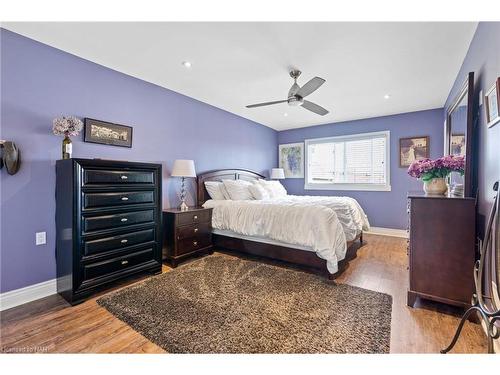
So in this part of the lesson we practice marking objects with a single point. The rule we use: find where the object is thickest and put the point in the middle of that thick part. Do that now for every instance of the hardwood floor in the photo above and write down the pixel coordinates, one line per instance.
(51, 325)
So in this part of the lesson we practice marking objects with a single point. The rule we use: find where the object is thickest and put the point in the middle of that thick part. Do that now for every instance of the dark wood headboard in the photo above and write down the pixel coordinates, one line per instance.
(222, 174)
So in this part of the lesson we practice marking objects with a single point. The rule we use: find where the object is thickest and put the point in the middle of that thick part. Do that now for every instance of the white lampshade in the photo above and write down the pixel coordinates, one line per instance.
(183, 168)
(277, 174)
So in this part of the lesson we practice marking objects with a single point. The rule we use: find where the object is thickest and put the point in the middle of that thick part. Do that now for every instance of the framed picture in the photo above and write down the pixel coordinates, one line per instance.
(458, 144)
(492, 104)
(291, 159)
(411, 149)
(107, 133)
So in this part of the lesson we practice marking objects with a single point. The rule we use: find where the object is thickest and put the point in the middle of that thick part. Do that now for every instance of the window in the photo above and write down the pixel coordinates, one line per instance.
(353, 162)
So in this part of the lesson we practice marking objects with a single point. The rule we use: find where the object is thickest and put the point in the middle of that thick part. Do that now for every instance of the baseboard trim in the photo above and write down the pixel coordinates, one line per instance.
(388, 232)
(27, 294)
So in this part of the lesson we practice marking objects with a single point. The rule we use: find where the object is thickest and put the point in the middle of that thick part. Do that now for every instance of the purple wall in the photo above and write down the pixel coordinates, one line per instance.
(384, 209)
(39, 83)
(483, 58)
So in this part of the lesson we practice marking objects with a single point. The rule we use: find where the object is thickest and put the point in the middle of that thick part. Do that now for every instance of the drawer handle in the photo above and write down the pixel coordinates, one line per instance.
(124, 220)
(124, 262)
(195, 230)
(124, 241)
(195, 217)
(123, 177)
(195, 243)
(124, 199)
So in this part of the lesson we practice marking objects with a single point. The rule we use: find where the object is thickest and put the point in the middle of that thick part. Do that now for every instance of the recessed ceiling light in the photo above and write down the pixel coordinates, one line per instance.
(285, 114)
(186, 64)
(387, 96)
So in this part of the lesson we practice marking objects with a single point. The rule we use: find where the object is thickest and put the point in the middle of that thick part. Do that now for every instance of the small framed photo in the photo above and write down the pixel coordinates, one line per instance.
(458, 144)
(492, 104)
(107, 133)
(411, 149)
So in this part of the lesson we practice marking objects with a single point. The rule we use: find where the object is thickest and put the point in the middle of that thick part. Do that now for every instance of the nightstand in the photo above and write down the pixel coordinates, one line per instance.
(186, 233)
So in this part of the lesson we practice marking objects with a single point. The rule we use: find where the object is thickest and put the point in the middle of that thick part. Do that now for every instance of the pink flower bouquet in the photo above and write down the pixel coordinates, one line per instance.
(427, 169)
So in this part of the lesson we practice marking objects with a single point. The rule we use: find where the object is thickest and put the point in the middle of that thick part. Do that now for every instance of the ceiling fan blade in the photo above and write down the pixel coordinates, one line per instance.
(310, 87)
(267, 103)
(314, 108)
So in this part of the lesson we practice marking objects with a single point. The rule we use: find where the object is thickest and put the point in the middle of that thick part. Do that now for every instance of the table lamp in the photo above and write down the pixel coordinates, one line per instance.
(183, 169)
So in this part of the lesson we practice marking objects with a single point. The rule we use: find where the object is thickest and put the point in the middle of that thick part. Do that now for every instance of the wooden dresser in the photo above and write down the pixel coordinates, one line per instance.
(108, 220)
(186, 233)
(441, 248)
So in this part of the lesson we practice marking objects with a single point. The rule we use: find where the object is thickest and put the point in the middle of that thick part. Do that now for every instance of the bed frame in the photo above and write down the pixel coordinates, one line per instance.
(297, 257)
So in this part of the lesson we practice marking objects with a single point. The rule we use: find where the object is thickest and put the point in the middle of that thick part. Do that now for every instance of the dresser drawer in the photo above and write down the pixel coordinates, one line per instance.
(188, 231)
(119, 177)
(194, 217)
(188, 245)
(94, 270)
(94, 200)
(93, 223)
(103, 245)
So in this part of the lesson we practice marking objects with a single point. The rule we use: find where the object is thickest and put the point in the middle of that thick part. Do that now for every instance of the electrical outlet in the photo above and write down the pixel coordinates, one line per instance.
(41, 238)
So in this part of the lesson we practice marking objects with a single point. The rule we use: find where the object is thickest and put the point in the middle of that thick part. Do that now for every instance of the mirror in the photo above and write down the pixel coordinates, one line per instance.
(459, 138)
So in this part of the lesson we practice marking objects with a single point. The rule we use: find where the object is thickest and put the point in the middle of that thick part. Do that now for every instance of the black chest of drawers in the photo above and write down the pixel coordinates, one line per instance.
(108, 221)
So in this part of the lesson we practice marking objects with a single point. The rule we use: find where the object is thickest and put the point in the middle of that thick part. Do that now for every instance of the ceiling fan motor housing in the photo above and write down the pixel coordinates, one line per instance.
(295, 101)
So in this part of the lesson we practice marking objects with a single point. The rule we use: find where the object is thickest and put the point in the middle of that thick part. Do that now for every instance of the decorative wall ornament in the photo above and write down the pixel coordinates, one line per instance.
(10, 157)
(492, 104)
(69, 126)
(411, 149)
(107, 133)
(291, 159)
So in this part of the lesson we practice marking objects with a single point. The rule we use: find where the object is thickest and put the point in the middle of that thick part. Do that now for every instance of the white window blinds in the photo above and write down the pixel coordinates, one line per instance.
(356, 162)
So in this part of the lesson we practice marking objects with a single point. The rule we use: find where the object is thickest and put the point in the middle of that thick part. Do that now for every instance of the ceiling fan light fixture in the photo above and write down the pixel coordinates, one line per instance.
(186, 64)
(387, 96)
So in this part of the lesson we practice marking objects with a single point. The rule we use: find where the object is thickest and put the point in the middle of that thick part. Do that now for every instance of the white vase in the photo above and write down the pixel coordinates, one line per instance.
(436, 186)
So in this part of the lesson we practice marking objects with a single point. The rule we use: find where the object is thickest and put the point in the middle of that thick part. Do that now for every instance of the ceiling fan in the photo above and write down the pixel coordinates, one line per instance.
(296, 95)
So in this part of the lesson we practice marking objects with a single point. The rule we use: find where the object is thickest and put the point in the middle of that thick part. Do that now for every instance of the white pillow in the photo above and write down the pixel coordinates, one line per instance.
(258, 191)
(238, 190)
(214, 189)
(274, 188)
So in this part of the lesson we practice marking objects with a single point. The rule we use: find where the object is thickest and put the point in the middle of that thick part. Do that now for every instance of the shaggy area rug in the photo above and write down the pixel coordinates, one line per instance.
(224, 304)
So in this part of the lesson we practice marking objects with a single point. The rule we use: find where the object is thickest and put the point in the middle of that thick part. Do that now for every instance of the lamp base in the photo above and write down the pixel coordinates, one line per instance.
(183, 206)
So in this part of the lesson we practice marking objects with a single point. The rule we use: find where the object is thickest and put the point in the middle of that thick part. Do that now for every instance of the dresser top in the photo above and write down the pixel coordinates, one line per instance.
(421, 194)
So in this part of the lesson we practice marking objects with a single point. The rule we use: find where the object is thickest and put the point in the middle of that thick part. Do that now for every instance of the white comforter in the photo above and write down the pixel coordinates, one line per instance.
(306, 221)
(349, 212)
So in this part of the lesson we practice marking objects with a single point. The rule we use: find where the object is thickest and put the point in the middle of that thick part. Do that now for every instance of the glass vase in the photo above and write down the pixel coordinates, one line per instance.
(67, 147)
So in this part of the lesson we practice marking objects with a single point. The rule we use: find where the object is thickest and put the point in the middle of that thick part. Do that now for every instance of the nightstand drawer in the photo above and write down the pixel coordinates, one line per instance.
(119, 177)
(106, 244)
(94, 270)
(188, 245)
(93, 200)
(188, 231)
(199, 216)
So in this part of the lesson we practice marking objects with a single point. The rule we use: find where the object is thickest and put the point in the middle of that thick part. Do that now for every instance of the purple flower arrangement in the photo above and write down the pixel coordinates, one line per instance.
(67, 125)
(427, 169)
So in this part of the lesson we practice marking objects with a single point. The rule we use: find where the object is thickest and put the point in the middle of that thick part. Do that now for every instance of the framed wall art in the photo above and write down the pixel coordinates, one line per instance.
(107, 133)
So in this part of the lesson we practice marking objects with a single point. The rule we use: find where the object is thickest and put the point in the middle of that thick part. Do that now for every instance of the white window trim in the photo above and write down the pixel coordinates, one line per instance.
(359, 187)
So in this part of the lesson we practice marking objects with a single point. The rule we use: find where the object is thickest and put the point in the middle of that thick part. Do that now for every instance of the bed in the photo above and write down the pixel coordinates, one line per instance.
(316, 213)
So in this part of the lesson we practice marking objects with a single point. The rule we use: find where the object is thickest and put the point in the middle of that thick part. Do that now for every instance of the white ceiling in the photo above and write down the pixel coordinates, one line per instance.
(235, 64)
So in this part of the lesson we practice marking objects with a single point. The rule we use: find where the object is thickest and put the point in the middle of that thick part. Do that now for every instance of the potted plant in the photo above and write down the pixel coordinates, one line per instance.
(434, 172)
(69, 126)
